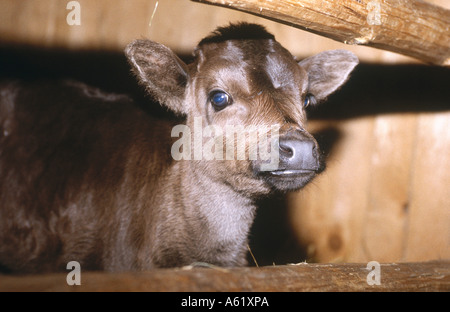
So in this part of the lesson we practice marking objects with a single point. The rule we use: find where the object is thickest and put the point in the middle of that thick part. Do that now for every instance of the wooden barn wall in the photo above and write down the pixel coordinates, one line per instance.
(385, 195)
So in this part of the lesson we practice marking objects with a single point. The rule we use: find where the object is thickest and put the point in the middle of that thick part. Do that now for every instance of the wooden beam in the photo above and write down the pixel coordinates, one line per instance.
(410, 27)
(425, 276)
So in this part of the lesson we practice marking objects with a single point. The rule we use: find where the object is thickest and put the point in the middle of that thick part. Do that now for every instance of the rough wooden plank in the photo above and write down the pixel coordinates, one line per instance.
(410, 27)
(430, 190)
(426, 276)
(386, 218)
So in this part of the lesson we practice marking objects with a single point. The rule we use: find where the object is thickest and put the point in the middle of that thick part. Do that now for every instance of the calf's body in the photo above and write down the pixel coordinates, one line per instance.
(89, 176)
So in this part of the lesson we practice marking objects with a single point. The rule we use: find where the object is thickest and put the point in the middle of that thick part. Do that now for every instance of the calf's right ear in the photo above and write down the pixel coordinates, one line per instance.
(160, 71)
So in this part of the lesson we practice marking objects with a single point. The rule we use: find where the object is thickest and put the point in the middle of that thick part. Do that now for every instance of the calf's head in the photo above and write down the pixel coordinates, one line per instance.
(242, 76)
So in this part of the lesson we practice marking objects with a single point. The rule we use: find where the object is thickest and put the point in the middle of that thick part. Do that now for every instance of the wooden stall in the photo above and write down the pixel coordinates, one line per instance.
(428, 276)
(385, 195)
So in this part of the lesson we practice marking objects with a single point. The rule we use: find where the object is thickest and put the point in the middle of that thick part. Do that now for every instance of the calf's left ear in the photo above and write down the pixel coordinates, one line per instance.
(327, 71)
(160, 71)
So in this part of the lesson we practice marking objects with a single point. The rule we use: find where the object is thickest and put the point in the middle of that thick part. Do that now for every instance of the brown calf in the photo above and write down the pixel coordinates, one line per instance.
(89, 176)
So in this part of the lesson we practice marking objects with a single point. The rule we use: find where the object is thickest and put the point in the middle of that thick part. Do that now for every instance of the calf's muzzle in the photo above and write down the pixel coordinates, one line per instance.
(299, 161)
(298, 154)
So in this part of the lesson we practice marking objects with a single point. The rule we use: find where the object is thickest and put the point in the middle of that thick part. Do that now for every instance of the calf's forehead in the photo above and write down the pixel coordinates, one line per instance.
(252, 65)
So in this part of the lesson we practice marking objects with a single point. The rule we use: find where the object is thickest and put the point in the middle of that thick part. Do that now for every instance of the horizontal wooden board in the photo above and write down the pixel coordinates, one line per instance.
(427, 276)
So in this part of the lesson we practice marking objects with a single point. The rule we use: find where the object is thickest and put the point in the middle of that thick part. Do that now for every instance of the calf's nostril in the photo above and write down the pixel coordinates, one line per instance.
(286, 150)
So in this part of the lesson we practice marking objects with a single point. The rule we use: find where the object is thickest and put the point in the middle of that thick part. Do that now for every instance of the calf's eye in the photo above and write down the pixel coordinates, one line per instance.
(309, 100)
(219, 100)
